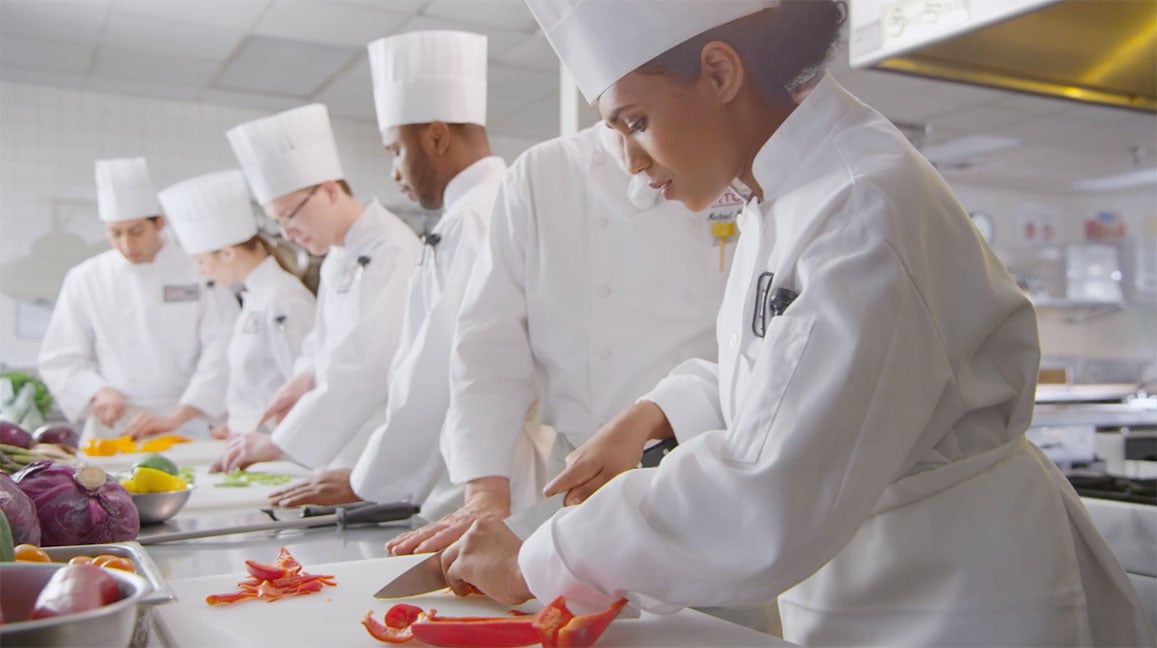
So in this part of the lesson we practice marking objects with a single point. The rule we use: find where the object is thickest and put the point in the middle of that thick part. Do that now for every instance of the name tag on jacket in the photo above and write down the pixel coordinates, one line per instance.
(185, 293)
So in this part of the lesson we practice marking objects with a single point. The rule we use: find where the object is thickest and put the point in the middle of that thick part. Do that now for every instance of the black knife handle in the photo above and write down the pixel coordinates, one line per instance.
(653, 455)
(375, 513)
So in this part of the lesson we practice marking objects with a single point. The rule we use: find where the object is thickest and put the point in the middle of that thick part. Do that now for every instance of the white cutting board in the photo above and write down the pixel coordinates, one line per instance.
(332, 617)
(194, 453)
(208, 498)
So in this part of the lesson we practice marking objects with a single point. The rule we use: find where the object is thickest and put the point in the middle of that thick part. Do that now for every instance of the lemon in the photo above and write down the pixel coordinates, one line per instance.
(151, 480)
(129, 485)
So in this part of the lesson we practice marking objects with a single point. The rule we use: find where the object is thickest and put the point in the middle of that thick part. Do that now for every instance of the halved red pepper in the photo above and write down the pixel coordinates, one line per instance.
(477, 632)
(582, 631)
(403, 615)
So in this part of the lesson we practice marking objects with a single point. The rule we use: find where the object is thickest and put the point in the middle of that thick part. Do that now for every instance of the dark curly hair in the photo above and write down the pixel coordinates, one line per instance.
(780, 47)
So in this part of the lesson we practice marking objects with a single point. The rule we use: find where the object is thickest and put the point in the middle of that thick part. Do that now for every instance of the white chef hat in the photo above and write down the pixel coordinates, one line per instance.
(287, 151)
(211, 211)
(124, 190)
(601, 41)
(426, 76)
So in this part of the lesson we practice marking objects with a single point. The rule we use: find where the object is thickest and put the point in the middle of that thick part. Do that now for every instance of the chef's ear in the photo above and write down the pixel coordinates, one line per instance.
(437, 137)
(721, 70)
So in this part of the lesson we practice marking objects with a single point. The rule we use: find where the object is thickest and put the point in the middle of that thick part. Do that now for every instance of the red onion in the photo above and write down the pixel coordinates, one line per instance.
(14, 435)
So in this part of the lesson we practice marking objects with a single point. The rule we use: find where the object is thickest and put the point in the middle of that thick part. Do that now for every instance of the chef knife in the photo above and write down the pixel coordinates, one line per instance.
(342, 517)
(422, 578)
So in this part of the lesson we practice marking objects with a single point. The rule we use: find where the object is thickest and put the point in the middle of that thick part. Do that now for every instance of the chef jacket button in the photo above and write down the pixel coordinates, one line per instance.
(733, 342)
(604, 353)
(599, 157)
(603, 290)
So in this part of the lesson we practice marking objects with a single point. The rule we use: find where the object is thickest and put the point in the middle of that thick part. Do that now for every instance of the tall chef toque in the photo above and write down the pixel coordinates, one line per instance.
(286, 152)
(124, 191)
(426, 76)
(211, 211)
(601, 41)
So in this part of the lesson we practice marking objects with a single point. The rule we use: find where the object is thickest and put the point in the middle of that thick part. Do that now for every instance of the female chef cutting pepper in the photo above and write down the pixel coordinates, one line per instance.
(862, 452)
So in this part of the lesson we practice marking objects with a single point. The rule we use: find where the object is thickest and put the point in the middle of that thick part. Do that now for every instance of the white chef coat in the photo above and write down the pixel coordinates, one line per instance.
(277, 312)
(580, 291)
(402, 460)
(871, 450)
(154, 332)
(360, 305)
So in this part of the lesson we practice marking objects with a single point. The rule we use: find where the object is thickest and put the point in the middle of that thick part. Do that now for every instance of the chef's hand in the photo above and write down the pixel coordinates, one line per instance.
(330, 488)
(485, 559)
(615, 448)
(108, 406)
(146, 424)
(286, 397)
(244, 450)
(487, 498)
(219, 432)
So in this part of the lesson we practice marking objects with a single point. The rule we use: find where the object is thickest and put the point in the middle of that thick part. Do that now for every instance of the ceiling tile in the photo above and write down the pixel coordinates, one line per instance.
(507, 14)
(398, 6)
(226, 14)
(41, 77)
(162, 68)
(77, 22)
(522, 85)
(499, 40)
(48, 56)
(150, 88)
(533, 53)
(348, 97)
(166, 36)
(285, 67)
(329, 22)
(254, 100)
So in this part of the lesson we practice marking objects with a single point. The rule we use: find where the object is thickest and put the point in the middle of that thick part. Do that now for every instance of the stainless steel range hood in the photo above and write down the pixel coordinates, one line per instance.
(1097, 51)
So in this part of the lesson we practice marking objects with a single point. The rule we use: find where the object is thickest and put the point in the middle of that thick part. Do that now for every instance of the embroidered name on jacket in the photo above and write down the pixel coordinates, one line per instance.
(185, 293)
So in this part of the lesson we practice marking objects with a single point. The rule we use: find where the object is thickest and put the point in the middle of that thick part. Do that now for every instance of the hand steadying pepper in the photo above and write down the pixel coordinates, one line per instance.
(485, 558)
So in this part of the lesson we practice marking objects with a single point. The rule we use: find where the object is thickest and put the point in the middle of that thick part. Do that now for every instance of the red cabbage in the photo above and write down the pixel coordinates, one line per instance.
(78, 504)
(14, 435)
(20, 511)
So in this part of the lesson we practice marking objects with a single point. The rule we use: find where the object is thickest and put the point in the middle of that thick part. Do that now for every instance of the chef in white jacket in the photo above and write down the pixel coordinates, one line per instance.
(862, 448)
(430, 94)
(337, 395)
(590, 289)
(213, 217)
(136, 343)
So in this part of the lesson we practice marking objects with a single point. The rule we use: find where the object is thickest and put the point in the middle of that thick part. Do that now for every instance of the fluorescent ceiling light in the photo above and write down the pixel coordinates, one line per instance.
(967, 146)
(1129, 180)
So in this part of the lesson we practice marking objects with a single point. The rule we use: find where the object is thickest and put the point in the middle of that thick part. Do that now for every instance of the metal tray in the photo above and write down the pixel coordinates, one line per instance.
(159, 591)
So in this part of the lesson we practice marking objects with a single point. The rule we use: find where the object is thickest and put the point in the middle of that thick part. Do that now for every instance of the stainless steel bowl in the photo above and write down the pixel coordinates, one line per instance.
(110, 625)
(155, 508)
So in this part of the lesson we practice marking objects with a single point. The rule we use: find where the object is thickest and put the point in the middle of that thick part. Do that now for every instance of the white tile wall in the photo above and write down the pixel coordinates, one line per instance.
(49, 138)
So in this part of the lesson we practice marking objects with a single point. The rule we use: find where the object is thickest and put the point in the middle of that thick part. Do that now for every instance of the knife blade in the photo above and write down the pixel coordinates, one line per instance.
(372, 514)
(422, 578)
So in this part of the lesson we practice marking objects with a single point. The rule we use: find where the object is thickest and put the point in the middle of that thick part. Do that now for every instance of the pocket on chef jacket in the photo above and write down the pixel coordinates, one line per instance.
(765, 368)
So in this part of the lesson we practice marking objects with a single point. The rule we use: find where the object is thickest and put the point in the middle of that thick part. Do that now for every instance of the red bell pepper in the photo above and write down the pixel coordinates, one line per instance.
(554, 625)
(231, 597)
(274, 581)
(385, 633)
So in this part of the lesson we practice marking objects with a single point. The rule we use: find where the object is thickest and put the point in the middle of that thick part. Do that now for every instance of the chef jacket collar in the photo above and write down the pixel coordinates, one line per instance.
(361, 234)
(469, 178)
(262, 279)
(799, 137)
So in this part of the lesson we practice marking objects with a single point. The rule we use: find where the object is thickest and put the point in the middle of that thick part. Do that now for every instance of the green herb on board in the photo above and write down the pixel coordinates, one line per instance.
(238, 478)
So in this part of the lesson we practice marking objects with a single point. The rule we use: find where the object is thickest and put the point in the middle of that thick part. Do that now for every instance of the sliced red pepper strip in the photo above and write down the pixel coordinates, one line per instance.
(583, 631)
(263, 571)
(286, 561)
(498, 632)
(402, 615)
(383, 632)
(230, 597)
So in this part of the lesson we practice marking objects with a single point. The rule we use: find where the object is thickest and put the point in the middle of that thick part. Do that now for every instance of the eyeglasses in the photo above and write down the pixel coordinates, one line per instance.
(288, 217)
